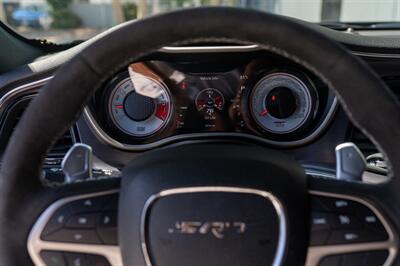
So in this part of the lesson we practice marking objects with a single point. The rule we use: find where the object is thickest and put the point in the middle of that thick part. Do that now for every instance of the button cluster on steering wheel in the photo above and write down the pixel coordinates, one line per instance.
(372, 258)
(341, 221)
(85, 221)
(58, 258)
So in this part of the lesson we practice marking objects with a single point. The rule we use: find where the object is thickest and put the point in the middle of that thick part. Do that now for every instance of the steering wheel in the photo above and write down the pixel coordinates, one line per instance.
(207, 204)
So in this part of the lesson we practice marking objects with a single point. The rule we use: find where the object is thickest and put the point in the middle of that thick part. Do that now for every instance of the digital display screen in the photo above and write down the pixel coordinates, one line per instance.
(208, 102)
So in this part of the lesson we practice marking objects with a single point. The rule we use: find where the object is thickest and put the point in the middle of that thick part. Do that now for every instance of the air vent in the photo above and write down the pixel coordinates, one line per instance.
(393, 82)
(362, 142)
(357, 137)
(10, 121)
(62, 145)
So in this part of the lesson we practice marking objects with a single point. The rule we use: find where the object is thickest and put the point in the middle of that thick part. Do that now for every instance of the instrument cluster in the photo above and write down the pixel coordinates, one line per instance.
(264, 99)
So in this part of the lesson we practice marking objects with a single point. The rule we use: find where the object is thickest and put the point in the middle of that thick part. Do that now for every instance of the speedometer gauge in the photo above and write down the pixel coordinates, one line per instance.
(281, 103)
(140, 106)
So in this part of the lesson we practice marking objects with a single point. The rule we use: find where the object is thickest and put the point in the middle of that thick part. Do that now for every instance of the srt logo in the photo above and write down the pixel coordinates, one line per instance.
(216, 228)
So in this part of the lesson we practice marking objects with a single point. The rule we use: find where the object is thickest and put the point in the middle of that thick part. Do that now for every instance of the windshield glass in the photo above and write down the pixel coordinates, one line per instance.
(64, 21)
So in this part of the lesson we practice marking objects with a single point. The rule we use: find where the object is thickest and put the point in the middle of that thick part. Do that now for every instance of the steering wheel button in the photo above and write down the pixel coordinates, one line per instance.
(346, 236)
(107, 228)
(371, 219)
(87, 205)
(344, 221)
(319, 237)
(336, 205)
(354, 259)
(372, 258)
(108, 220)
(319, 221)
(354, 236)
(331, 261)
(376, 258)
(57, 221)
(111, 202)
(76, 259)
(74, 236)
(53, 258)
(109, 235)
(96, 260)
(316, 204)
(83, 221)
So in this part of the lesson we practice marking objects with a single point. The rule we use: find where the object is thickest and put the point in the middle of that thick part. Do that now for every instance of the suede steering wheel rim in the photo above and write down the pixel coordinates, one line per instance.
(358, 88)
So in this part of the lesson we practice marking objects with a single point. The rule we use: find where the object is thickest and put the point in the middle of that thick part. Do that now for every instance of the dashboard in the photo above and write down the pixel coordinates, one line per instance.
(195, 94)
(219, 93)
(250, 95)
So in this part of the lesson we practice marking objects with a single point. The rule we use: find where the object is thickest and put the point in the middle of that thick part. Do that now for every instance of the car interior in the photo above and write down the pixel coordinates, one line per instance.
(215, 136)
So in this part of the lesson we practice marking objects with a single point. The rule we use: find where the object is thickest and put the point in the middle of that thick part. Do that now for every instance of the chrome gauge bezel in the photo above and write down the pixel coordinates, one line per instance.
(264, 123)
(154, 130)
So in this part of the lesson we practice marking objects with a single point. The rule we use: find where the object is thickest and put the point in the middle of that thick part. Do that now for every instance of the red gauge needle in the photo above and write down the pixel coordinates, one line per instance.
(119, 106)
(264, 113)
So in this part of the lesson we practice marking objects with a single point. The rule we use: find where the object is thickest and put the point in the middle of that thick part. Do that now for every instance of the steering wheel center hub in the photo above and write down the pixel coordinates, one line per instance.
(214, 215)
(184, 224)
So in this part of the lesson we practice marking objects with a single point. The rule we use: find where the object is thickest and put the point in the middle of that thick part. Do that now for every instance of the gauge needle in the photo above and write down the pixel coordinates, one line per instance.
(264, 113)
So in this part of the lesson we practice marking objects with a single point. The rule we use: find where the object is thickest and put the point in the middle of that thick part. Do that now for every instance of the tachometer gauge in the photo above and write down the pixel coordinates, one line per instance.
(140, 106)
(281, 103)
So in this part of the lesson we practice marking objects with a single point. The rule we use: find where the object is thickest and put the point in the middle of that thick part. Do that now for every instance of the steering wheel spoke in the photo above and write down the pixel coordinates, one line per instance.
(346, 226)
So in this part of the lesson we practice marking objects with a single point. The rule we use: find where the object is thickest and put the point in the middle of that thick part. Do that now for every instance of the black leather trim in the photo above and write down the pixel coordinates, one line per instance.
(365, 98)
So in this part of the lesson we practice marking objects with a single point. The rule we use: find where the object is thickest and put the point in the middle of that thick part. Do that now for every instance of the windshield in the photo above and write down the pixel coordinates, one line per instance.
(62, 21)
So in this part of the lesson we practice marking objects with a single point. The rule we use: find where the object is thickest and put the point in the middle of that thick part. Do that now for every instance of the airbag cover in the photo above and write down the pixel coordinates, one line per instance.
(213, 228)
